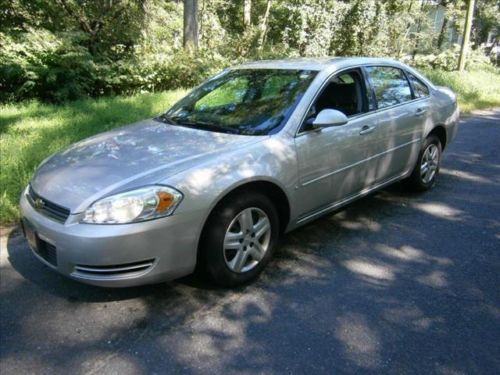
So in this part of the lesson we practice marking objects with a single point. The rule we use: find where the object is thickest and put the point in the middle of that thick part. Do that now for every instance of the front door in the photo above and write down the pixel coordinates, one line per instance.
(332, 161)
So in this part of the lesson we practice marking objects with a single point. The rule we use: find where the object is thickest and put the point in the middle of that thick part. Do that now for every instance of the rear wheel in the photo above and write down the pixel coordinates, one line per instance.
(426, 169)
(239, 239)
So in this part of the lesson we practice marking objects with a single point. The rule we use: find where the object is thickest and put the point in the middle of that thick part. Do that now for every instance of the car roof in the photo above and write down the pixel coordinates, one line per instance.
(316, 63)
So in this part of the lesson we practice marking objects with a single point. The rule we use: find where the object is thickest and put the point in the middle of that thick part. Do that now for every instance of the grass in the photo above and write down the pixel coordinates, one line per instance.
(31, 131)
(478, 89)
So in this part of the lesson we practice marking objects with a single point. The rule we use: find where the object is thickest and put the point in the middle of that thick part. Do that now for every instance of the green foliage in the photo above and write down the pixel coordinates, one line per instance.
(448, 60)
(360, 29)
(487, 20)
(476, 89)
(105, 24)
(60, 50)
(58, 68)
(187, 70)
(44, 66)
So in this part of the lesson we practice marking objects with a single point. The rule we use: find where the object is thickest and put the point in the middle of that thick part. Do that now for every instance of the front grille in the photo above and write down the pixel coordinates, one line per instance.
(47, 251)
(112, 271)
(47, 208)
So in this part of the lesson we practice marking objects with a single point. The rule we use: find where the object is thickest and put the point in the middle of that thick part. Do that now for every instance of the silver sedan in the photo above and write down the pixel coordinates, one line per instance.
(254, 152)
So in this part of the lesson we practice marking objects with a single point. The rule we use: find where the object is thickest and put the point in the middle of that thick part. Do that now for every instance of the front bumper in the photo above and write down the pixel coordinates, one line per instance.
(116, 255)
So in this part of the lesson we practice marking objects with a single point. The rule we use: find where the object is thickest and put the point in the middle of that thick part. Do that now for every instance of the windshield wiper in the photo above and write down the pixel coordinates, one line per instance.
(208, 126)
(166, 119)
(197, 124)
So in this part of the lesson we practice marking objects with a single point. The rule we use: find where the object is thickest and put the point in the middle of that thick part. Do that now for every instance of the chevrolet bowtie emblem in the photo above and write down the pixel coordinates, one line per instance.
(39, 203)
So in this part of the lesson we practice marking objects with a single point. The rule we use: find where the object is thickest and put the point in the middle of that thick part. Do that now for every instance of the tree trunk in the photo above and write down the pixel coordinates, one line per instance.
(467, 29)
(444, 26)
(247, 12)
(264, 24)
(419, 28)
(191, 24)
(200, 25)
(443, 32)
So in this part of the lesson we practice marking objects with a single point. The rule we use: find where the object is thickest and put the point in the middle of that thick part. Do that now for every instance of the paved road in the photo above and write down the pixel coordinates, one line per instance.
(396, 283)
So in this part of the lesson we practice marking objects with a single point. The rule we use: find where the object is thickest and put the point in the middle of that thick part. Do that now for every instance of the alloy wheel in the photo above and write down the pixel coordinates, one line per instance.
(247, 240)
(429, 164)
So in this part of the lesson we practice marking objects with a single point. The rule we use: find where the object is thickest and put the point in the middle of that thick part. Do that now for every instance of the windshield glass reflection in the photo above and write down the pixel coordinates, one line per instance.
(246, 101)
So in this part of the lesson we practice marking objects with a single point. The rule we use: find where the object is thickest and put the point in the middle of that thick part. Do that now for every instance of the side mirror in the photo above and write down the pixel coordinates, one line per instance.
(330, 117)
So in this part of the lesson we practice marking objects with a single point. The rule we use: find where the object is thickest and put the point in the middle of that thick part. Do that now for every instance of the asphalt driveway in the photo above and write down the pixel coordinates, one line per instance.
(395, 283)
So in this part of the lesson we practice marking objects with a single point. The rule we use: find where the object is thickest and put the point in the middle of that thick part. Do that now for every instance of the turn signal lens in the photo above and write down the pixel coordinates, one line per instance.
(165, 201)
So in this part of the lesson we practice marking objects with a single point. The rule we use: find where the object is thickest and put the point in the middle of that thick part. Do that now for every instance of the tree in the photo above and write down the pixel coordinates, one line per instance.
(467, 29)
(486, 20)
(62, 49)
(452, 17)
(360, 28)
(191, 24)
(247, 13)
(444, 25)
(264, 24)
(103, 24)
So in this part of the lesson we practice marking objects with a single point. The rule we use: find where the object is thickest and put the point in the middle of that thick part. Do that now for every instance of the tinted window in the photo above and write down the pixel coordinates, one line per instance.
(243, 101)
(420, 89)
(345, 93)
(390, 85)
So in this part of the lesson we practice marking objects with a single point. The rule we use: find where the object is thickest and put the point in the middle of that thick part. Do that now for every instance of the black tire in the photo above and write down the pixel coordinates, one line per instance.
(213, 256)
(416, 181)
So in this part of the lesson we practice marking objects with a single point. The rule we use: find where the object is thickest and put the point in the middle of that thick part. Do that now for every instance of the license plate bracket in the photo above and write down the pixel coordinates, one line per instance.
(31, 235)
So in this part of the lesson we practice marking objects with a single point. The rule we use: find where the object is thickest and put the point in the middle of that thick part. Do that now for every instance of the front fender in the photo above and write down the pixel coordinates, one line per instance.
(206, 184)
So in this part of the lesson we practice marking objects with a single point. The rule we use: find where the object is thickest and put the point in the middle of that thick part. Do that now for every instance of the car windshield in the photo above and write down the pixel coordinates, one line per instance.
(242, 101)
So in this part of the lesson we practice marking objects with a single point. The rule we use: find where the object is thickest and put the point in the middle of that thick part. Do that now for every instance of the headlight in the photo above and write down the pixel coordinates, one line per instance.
(132, 206)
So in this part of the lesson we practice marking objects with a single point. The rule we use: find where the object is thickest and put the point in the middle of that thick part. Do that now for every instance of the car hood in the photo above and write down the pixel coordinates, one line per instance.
(140, 154)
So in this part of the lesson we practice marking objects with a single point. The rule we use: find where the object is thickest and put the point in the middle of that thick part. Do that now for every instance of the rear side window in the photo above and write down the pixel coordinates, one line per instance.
(390, 85)
(420, 89)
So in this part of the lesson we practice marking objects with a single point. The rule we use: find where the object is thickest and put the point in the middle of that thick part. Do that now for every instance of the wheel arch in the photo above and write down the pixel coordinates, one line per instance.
(273, 190)
(265, 186)
(440, 132)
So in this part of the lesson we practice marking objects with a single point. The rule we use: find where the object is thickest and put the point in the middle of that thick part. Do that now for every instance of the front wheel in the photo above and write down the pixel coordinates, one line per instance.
(239, 239)
(426, 169)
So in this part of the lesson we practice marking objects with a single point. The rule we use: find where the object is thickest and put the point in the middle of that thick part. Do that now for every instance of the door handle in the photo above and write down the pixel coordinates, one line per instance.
(366, 129)
(420, 112)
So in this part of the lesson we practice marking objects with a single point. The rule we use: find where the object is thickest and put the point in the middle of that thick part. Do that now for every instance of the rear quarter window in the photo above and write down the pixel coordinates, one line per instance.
(420, 89)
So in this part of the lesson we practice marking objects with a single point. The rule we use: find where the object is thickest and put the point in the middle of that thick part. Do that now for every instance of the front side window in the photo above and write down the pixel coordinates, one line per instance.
(420, 89)
(345, 92)
(242, 101)
(390, 85)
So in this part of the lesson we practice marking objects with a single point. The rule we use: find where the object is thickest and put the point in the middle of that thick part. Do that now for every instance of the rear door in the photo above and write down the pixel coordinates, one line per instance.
(399, 118)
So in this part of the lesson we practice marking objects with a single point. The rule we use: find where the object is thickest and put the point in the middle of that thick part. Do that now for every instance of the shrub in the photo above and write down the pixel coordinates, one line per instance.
(476, 89)
(58, 68)
(41, 65)
(448, 60)
(186, 70)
